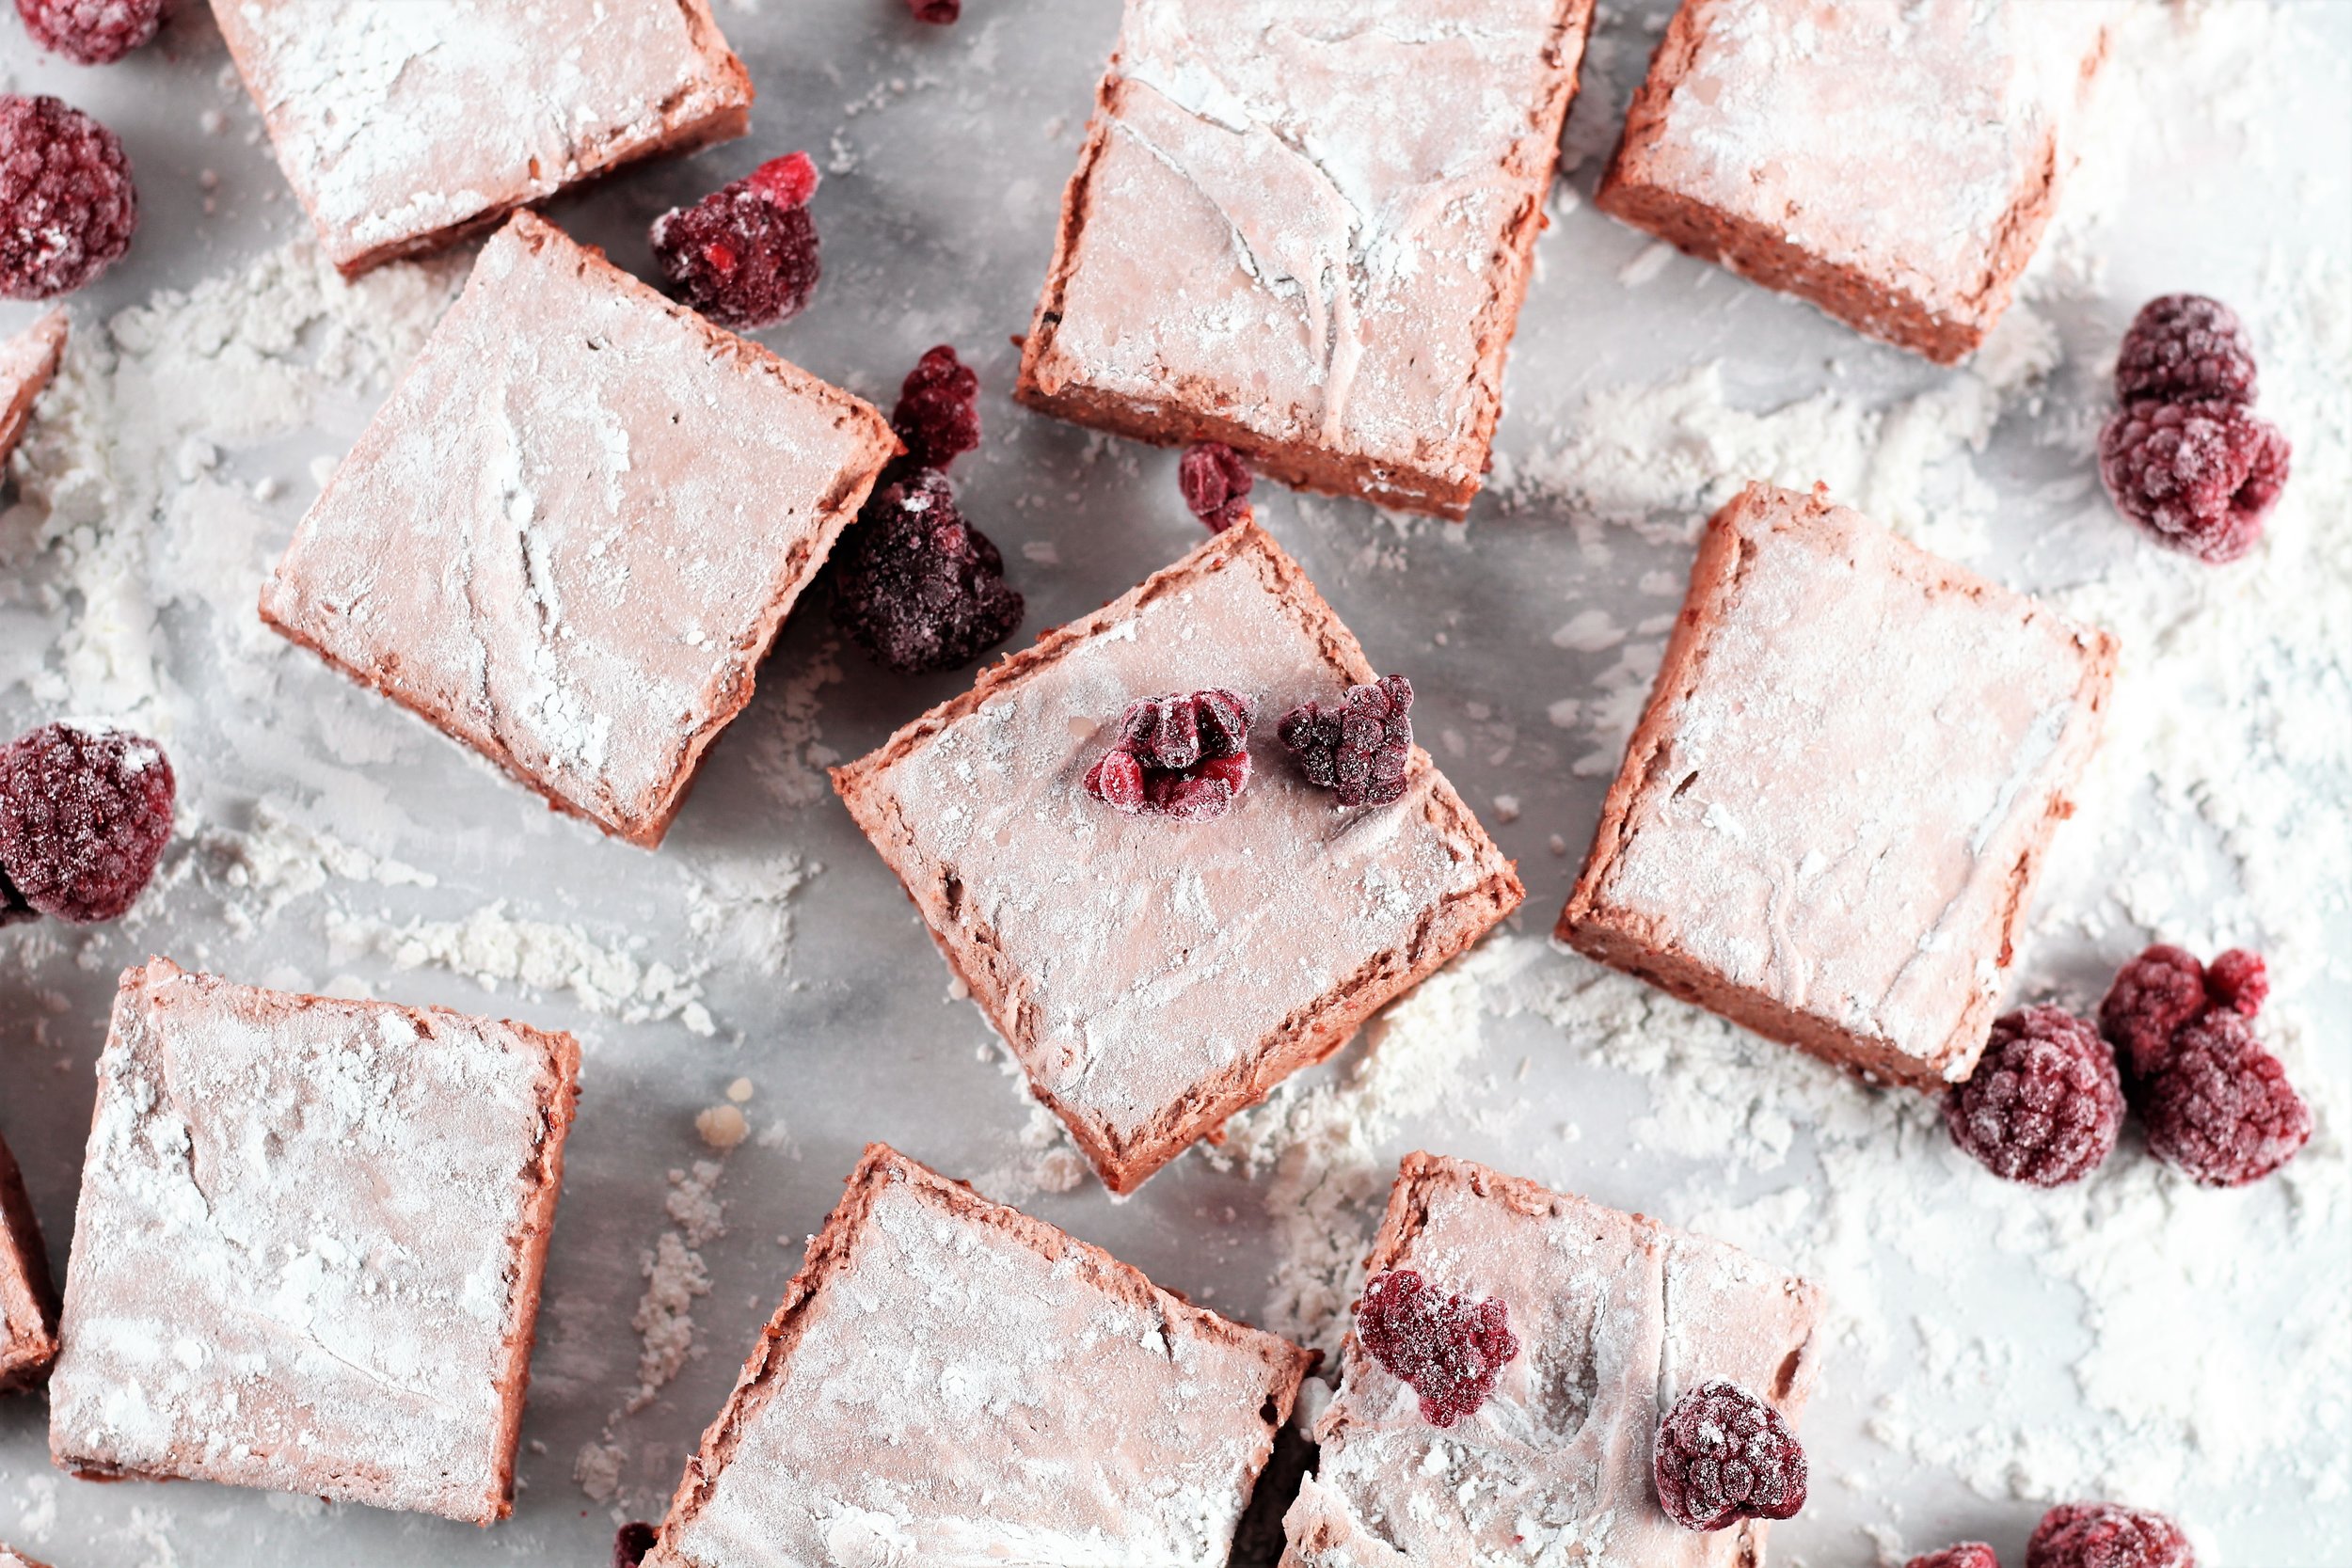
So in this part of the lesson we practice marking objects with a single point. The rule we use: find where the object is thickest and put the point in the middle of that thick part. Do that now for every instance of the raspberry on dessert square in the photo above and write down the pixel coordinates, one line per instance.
(1155, 973)
(310, 1246)
(1307, 236)
(1894, 163)
(28, 1302)
(948, 1380)
(570, 536)
(27, 361)
(1612, 1319)
(1832, 815)
(404, 125)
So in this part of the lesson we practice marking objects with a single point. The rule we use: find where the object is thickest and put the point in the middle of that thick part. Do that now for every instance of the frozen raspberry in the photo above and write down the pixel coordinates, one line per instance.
(1449, 1349)
(1967, 1554)
(1183, 756)
(631, 1544)
(91, 32)
(84, 812)
(746, 254)
(2238, 981)
(938, 13)
(67, 207)
(2151, 998)
(2105, 1535)
(1216, 482)
(2186, 348)
(2201, 476)
(918, 587)
(938, 415)
(2220, 1106)
(1722, 1454)
(2045, 1103)
(1360, 746)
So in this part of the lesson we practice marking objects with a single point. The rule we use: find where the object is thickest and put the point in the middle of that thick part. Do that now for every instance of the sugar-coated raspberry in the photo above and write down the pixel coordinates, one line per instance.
(67, 205)
(91, 32)
(938, 13)
(2151, 998)
(1360, 746)
(2240, 981)
(1184, 757)
(1216, 480)
(631, 1544)
(2045, 1103)
(938, 415)
(2182, 348)
(2107, 1535)
(85, 813)
(1449, 1349)
(1966, 1554)
(2201, 476)
(2220, 1106)
(746, 254)
(918, 587)
(1721, 1454)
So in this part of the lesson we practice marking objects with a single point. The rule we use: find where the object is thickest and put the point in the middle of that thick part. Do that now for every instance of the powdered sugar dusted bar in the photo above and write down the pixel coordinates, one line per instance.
(12, 1558)
(1308, 234)
(1833, 814)
(28, 1305)
(1895, 161)
(404, 124)
(1615, 1317)
(572, 532)
(310, 1246)
(27, 361)
(948, 1382)
(1155, 976)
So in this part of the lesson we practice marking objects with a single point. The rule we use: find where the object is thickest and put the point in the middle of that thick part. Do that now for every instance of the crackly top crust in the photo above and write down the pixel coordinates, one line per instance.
(570, 534)
(28, 1305)
(27, 361)
(309, 1244)
(402, 124)
(950, 1383)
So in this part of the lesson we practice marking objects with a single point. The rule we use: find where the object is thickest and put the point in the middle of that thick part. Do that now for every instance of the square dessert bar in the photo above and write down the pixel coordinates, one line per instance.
(1616, 1317)
(404, 125)
(1155, 976)
(29, 1304)
(1833, 812)
(310, 1246)
(1895, 161)
(948, 1381)
(570, 536)
(27, 361)
(1309, 236)
(9, 1558)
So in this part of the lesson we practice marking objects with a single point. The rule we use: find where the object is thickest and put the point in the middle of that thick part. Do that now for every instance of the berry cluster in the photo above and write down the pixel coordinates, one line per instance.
(746, 254)
(1215, 482)
(1449, 1349)
(85, 813)
(1358, 747)
(1722, 1455)
(67, 205)
(2083, 1535)
(1183, 756)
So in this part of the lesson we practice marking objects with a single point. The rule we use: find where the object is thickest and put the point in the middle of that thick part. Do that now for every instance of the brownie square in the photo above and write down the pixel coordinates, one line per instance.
(404, 125)
(27, 361)
(1894, 163)
(570, 536)
(948, 1381)
(28, 1303)
(1155, 976)
(1309, 240)
(1833, 812)
(9, 1558)
(310, 1246)
(1616, 1317)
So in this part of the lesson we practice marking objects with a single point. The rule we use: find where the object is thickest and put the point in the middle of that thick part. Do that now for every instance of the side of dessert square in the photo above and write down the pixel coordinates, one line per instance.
(572, 532)
(27, 361)
(1263, 246)
(28, 1300)
(310, 1246)
(1832, 815)
(948, 1380)
(1154, 976)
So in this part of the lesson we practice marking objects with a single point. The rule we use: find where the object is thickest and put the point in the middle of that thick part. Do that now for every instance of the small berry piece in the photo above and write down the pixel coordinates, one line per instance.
(1967, 1554)
(938, 13)
(2220, 1106)
(91, 32)
(1721, 1454)
(67, 205)
(2201, 476)
(2151, 997)
(2186, 348)
(2045, 1103)
(2240, 981)
(631, 1544)
(1183, 757)
(918, 587)
(85, 813)
(2106, 1535)
(1358, 746)
(1449, 1349)
(938, 415)
(1216, 481)
(746, 254)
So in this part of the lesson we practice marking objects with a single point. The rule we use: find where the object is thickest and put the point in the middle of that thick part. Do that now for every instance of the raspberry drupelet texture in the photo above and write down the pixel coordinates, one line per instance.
(938, 415)
(2219, 1105)
(631, 1544)
(938, 13)
(1721, 1454)
(1966, 1554)
(2200, 477)
(1359, 747)
(91, 32)
(1184, 757)
(2186, 348)
(85, 813)
(2045, 1103)
(67, 206)
(746, 254)
(2240, 981)
(2106, 1535)
(1216, 481)
(2151, 997)
(918, 587)
(1449, 1349)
